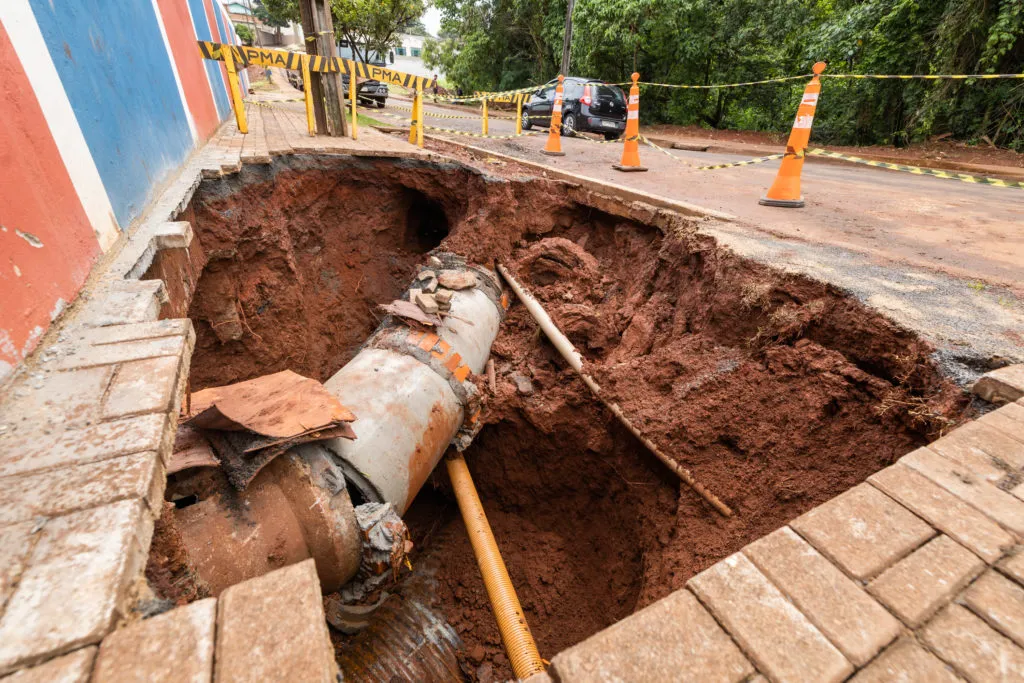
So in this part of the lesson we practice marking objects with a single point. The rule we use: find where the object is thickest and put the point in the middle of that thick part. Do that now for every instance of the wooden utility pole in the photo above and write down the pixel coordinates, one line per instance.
(328, 107)
(567, 43)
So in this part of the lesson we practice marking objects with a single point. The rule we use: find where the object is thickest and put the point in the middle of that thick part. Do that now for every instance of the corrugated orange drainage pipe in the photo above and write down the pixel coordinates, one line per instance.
(515, 633)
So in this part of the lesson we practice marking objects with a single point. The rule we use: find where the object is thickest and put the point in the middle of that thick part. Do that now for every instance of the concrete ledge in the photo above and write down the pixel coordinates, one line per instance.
(1004, 385)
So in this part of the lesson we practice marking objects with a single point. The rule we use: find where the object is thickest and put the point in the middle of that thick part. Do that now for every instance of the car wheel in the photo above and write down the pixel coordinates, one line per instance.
(527, 122)
(381, 103)
(569, 124)
(612, 136)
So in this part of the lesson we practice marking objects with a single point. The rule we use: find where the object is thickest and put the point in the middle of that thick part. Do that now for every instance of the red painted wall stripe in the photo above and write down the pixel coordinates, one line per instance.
(178, 25)
(215, 30)
(47, 245)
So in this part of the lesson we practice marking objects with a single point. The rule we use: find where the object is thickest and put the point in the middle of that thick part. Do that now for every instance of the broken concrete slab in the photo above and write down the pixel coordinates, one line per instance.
(1004, 385)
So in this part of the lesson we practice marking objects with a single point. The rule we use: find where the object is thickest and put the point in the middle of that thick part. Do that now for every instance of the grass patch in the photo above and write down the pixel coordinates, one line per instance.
(363, 119)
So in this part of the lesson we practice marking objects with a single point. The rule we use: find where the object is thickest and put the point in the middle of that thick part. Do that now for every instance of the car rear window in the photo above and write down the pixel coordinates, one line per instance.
(612, 92)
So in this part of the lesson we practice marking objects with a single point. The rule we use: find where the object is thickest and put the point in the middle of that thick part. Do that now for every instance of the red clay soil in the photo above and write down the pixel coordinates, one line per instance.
(777, 391)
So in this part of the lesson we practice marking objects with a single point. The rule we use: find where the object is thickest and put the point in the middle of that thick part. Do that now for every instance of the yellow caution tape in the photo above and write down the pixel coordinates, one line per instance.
(927, 77)
(720, 85)
(745, 162)
(917, 170)
(457, 132)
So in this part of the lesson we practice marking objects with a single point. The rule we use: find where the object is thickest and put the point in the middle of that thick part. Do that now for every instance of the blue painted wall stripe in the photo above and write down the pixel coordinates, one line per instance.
(213, 74)
(122, 91)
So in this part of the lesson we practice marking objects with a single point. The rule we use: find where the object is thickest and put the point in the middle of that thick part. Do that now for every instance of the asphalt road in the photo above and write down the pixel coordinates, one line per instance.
(969, 231)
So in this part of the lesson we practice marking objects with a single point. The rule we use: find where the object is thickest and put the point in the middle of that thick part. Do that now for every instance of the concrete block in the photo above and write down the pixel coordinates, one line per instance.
(81, 355)
(1004, 385)
(273, 628)
(69, 489)
(770, 630)
(168, 648)
(16, 543)
(961, 482)
(117, 334)
(71, 668)
(916, 587)
(986, 451)
(906, 662)
(944, 511)
(28, 451)
(862, 530)
(674, 639)
(1000, 602)
(144, 386)
(125, 301)
(974, 650)
(76, 584)
(63, 399)
(837, 606)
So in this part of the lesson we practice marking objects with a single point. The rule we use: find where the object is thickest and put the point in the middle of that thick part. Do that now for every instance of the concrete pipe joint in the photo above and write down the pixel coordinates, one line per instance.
(410, 391)
(410, 388)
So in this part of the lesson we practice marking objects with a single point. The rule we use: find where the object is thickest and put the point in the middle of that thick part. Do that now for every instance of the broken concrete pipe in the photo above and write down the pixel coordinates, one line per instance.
(409, 388)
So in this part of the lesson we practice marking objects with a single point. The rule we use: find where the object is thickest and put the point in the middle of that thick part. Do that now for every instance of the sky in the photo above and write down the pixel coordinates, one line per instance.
(432, 20)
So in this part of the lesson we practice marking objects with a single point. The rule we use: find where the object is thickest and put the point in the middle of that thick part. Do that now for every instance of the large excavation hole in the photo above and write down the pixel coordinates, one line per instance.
(777, 391)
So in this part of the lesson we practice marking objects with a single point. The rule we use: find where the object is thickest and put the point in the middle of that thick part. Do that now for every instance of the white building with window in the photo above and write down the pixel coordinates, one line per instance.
(409, 56)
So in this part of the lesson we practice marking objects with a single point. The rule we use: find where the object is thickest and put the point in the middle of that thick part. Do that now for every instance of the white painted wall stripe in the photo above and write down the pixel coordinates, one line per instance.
(174, 68)
(21, 26)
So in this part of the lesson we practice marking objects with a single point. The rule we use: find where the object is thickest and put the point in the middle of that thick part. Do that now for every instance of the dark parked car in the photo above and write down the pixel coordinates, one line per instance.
(588, 105)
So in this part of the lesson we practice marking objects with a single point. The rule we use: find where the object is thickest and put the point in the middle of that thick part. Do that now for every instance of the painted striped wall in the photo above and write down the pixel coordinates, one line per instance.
(102, 101)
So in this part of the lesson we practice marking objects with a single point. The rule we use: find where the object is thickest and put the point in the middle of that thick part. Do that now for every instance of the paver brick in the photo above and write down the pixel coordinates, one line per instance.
(961, 482)
(125, 301)
(1013, 565)
(944, 511)
(273, 628)
(988, 452)
(144, 386)
(81, 355)
(28, 450)
(1000, 602)
(674, 639)
(60, 398)
(770, 630)
(906, 662)
(920, 584)
(1003, 385)
(119, 334)
(970, 646)
(862, 530)
(76, 583)
(68, 489)
(1009, 420)
(16, 543)
(171, 647)
(71, 668)
(837, 606)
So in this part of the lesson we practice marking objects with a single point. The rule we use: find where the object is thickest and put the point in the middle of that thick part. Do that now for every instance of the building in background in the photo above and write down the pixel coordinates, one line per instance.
(409, 56)
(242, 12)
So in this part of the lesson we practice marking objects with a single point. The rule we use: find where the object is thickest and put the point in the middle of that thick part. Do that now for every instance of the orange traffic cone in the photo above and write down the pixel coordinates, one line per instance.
(553, 148)
(785, 191)
(631, 146)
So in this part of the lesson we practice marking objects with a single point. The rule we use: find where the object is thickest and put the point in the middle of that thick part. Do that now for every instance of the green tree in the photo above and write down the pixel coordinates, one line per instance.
(504, 44)
(244, 32)
(374, 25)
